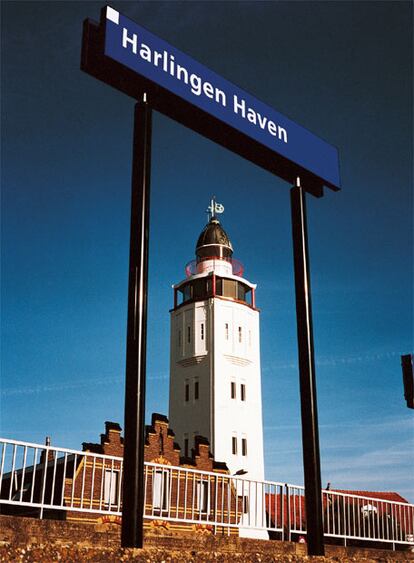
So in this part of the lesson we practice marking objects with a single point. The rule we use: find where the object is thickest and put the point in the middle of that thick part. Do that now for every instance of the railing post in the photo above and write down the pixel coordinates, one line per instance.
(288, 522)
(3, 457)
(44, 471)
(344, 519)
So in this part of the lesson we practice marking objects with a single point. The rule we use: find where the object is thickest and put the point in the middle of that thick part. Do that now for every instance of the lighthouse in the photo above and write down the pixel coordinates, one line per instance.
(215, 379)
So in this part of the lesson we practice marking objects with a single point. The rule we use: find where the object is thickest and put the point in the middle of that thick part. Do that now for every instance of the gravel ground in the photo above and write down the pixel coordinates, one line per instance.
(75, 554)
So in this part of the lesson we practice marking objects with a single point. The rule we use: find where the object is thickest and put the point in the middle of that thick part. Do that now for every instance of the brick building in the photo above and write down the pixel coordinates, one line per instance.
(160, 485)
(93, 482)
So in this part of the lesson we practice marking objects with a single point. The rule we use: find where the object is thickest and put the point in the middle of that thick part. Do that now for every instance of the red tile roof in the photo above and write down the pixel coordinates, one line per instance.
(381, 495)
(297, 510)
(273, 504)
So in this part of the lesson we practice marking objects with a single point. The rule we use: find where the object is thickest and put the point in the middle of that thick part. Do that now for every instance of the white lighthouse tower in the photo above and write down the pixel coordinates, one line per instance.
(215, 383)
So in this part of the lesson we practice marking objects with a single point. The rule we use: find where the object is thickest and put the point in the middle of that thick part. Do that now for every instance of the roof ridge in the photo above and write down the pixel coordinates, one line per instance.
(366, 491)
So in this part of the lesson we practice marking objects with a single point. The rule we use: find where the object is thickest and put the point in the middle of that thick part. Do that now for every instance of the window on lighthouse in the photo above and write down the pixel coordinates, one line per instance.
(226, 331)
(240, 334)
(230, 289)
(243, 392)
(202, 331)
(187, 294)
(187, 391)
(245, 503)
(241, 292)
(234, 445)
(244, 446)
(233, 389)
(189, 334)
(199, 289)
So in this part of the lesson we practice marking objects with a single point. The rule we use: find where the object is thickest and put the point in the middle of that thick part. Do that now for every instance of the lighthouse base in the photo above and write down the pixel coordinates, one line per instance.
(253, 533)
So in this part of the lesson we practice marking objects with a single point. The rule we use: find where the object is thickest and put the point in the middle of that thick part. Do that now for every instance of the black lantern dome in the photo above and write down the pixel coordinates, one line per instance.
(213, 242)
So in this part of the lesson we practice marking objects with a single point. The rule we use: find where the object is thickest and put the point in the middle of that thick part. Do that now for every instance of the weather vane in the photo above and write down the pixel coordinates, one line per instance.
(214, 208)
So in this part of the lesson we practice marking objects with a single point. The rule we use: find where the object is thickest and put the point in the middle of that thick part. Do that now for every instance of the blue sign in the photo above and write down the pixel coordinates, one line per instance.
(153, 58)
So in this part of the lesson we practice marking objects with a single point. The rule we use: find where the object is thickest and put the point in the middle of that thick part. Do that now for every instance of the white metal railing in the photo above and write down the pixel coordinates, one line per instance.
(351, 516)
(45, 481)
(58, 479)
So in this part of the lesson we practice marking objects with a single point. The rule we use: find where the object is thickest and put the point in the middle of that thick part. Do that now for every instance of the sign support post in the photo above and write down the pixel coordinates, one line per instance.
(134, 424)
(309, 410)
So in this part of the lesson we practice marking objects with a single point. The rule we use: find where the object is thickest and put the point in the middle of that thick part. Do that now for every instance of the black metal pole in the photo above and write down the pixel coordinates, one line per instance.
(310, 433)
(134, 424)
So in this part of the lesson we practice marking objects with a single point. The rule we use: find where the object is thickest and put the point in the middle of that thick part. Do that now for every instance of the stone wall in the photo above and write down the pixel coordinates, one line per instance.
(29, 539)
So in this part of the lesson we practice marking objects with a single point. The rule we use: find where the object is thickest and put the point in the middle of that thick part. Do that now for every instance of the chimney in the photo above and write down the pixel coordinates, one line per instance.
(50, 453)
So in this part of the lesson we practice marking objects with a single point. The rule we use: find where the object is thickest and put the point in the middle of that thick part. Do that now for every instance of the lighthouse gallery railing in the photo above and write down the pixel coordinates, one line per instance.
(45, 481)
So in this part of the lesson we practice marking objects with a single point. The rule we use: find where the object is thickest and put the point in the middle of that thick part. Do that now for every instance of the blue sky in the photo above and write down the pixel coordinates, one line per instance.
(341, 69)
